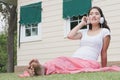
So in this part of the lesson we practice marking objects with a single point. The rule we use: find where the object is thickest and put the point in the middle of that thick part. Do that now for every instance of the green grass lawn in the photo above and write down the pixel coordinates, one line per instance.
(80, 76)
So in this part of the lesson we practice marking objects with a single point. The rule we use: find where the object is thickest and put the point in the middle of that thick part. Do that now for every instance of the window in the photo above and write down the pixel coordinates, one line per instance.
(74, 21)
(30, 21)
(71, 23)
(30, 32)
(71, 11)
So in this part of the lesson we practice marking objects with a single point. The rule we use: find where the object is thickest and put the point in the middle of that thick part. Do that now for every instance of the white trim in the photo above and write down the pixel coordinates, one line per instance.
(66, 27)
(23, 38)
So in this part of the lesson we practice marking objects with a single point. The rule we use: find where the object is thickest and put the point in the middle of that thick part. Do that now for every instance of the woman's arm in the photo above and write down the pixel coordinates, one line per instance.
(74, 32)
(106, 42)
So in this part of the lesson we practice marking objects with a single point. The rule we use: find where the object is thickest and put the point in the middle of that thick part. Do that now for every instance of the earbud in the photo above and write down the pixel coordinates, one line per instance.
(101, 20)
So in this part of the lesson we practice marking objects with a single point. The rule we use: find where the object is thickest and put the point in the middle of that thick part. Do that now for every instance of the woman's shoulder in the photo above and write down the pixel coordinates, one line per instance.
(105, 31)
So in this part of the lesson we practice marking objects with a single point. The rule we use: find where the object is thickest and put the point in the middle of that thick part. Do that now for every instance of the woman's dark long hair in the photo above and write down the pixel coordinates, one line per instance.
(104, 25)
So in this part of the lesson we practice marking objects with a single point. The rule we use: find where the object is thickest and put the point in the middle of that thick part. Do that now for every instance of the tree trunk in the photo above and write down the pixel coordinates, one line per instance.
(10, 52)
(10, 45)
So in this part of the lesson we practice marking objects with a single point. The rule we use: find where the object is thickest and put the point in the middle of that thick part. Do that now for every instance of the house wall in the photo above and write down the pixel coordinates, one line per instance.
(53, 43)
(111, 10)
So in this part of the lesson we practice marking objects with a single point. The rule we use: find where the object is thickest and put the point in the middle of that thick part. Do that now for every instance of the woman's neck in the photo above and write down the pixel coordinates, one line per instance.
(95, 27)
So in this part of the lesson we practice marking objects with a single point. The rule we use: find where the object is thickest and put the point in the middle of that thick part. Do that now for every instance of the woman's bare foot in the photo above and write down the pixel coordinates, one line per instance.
(25, 74)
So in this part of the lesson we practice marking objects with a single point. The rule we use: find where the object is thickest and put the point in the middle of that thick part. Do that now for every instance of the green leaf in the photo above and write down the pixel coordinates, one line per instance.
(11, 2)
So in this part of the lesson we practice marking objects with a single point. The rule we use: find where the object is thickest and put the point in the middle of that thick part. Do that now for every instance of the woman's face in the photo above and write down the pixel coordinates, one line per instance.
(94, 16)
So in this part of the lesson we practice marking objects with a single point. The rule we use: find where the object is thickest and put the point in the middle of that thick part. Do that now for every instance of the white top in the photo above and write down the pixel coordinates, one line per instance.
(90, 46)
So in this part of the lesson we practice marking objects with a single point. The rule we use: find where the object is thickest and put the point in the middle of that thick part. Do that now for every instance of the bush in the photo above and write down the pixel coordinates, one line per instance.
(3, 51)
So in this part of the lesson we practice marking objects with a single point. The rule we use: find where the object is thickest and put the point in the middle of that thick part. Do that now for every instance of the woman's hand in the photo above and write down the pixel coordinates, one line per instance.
(74, 34)
(84, 21)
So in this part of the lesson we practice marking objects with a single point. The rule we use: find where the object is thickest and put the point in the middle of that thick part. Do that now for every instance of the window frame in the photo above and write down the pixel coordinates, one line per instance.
(24, 38)
(67, 25)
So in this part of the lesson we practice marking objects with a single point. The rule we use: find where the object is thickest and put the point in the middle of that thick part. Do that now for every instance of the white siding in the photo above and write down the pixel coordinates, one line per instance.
(53, 43)
(111, 10)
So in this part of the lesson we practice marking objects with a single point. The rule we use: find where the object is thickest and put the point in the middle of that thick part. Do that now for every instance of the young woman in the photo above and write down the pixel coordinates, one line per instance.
(94, 41)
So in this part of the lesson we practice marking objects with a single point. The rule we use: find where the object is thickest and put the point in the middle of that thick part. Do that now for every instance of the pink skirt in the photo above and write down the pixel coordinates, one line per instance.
(65, 65)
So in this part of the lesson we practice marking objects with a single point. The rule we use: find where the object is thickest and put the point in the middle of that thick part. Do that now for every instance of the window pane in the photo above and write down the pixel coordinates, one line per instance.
(28, 32)
(80, 17)
(34, 25)
(73, 24)
(74, 21)
(28, 26)
(74, 18)
(31, 29)
(34, 31)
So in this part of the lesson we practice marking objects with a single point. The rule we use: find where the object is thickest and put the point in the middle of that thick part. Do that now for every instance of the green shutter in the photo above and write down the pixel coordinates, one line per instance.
(30, 14)
(75, 7)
